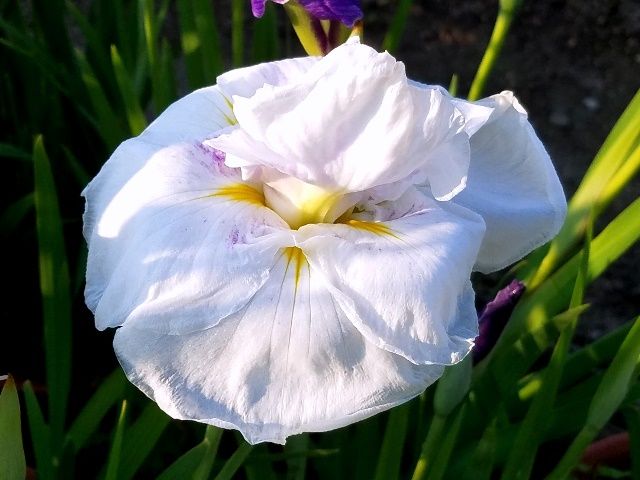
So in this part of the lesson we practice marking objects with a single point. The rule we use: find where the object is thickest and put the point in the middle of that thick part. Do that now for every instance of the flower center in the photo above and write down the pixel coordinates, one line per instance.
(299, 203)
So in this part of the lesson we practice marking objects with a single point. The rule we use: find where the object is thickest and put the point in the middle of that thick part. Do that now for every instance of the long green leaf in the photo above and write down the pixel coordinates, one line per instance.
(632, 417)
(115, 452)
(237, 32)
(235, 462)
(198, 461)
(611, 392)
(110, 392)
(535, 309)
(40, 433)
(12, 462)
(390, 458)
(205, 23)
(606, 176)
(398, 23)
(135, 115)
(55, 290)
(140, 439)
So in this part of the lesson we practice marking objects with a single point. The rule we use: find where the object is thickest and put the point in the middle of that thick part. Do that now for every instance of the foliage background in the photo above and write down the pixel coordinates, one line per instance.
(571, 63)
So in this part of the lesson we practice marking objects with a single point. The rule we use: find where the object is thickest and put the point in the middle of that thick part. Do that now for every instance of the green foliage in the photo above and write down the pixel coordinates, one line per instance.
(83, 76)
(12, 463)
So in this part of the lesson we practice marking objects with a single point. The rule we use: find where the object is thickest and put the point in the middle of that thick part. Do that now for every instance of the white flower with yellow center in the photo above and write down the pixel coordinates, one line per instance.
(290, 250)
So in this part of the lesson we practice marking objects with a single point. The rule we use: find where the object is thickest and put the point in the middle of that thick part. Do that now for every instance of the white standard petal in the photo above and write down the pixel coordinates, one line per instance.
(351, 122)
(182, 244)
(513, 185)
(404, 283)
(244, 82)
(289, 362)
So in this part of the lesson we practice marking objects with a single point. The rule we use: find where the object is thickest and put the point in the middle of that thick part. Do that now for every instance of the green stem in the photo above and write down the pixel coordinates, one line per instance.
(506, 15)
(237, 32)
(430, 447)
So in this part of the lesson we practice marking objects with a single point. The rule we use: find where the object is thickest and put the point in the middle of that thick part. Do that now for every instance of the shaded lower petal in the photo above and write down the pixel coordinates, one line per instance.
(404, 283)
(512, 184)
(289, 362)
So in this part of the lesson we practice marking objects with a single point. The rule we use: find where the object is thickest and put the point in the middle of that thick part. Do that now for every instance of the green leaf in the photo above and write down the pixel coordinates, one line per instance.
(389, 460)
(54, 287)
(40, 433)
(140, 439)
(441, 461)
(296, 447)
(612, 168)
(15, 213)
(396, 29)
(12, 462)
(234, 463)
(135, 115)
(632, 417)
(210, 52)
(198, 461)
(113, 462)
(266, 39)
(10, 151)
(611, 392)
(110, 392)
(535, 309)
(237, 32)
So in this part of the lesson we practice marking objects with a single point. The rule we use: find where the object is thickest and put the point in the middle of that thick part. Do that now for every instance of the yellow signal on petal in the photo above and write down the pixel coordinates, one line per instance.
(378, 228)
(240, 192)
(295, 256)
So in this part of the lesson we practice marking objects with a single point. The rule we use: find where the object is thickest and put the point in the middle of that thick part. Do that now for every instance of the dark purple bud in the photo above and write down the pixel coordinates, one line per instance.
(494, 317)
(345, 11)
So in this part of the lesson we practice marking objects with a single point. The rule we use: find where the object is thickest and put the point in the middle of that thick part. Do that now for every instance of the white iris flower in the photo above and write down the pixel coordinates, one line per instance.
(290, 250)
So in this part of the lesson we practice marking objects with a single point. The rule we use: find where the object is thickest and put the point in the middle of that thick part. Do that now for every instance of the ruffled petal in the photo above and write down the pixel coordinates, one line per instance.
(244, 82)
(404, 283)
(289, 362)
(326, 128)
(512, 184)
(180, 245)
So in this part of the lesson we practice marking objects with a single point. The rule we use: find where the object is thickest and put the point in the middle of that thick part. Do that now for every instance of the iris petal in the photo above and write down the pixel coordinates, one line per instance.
(289, 362)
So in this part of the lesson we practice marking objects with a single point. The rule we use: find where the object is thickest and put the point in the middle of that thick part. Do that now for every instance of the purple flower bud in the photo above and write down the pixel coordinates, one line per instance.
(346, 11)
(494, 317)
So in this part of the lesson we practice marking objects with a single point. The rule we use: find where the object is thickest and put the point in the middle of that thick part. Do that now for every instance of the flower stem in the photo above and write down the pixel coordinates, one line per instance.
(430, 447)
(506, 14)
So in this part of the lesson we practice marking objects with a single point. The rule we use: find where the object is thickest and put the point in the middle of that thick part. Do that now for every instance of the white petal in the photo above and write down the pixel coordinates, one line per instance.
(178, 247)
(193, 118)
(351, 122)
(405, 283)
(244, 82)
(290, 362)
(513, 185)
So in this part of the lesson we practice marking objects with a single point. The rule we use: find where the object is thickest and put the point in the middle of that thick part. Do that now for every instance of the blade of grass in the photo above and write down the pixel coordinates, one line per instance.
(210, 51)
(266, 40)
(113, 462)
(237, 32)
(594, 191)
(135, 115)
(40, 433)
(234, 463)
(54, 287)
(611, 392)
(11, 151)
(398, 23)
(12, 462)
(390, 457)
(632, 417)
(441, 461)
(530, 434)
(110, 392)
(15, 213)
(212, 436)
(140, 438)
(534, 310)
(296, 446)
(506, 14)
